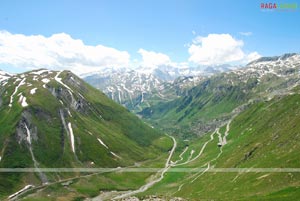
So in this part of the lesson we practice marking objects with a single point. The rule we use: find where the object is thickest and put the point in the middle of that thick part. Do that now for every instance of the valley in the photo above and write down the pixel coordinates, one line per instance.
(229, 136)
(149, 101)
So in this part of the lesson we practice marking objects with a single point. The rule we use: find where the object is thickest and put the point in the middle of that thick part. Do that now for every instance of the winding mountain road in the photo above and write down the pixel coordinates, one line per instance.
(151, 183)
(115, 195)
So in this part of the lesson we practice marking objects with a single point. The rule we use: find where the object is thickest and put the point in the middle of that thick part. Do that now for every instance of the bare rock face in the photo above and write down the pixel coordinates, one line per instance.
(24, 124)
(77, 103)
(75, 82)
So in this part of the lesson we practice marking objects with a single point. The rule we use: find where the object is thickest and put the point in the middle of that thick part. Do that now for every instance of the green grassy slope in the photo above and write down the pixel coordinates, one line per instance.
(266, 135)
(202, 108)
(92, 115)
(211, 100)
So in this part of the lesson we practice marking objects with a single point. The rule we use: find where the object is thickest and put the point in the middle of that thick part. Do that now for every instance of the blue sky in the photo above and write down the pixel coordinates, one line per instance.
(157, 26)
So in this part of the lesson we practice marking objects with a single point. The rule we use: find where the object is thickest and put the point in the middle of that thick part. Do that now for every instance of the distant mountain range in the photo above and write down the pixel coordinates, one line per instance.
(237, 133)
(205, 106)
(140, 88)
(146, 93)
(249, 135)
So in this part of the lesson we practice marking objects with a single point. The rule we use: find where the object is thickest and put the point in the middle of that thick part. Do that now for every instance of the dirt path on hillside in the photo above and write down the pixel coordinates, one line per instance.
(152, 182)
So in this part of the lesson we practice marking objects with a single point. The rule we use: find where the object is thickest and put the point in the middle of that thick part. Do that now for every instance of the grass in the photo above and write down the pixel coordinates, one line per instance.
(91, 186)
(266, 135)
(99, 117)
(212, 99)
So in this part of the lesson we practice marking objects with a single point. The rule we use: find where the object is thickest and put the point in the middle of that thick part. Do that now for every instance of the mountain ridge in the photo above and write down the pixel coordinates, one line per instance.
(53, 119)
(208, 104)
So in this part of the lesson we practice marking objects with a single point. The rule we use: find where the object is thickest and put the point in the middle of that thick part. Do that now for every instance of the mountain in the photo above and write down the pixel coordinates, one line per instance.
(211, 70)
(207, 105)
(252, 156)
(127, 87)
(4, 75)
(249, 135)
(53, 119)
(237, 137)
(143, 87)
(137, 89)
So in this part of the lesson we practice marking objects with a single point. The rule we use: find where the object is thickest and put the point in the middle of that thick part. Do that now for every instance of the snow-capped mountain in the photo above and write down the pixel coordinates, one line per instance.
(128, 87)
(211, 70)
(205, 106)
(285, 67)
(277, 65)
(138, 88)
(143, 87)
(4, 75)
(170, 73)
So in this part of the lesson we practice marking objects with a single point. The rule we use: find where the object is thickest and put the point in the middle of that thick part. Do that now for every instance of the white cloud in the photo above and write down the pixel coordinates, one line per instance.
(246, 33)
(59, 51)
(216, 49)
(252, 56)
(152, 59)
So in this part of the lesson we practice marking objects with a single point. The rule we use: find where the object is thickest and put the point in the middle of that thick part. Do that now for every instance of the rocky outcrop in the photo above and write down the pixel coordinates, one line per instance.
(24, 124)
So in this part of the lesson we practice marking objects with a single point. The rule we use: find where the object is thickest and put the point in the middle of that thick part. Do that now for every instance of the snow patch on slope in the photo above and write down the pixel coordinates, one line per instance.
(60, 82)
(35, 78)
(32, 91)
(28, 138)
(3, 77)
(16, 90)
(39, 72)
(101, 142)
(45, 80)
(22, 100)
(71, 136)
(115, 155)
(69, 113)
